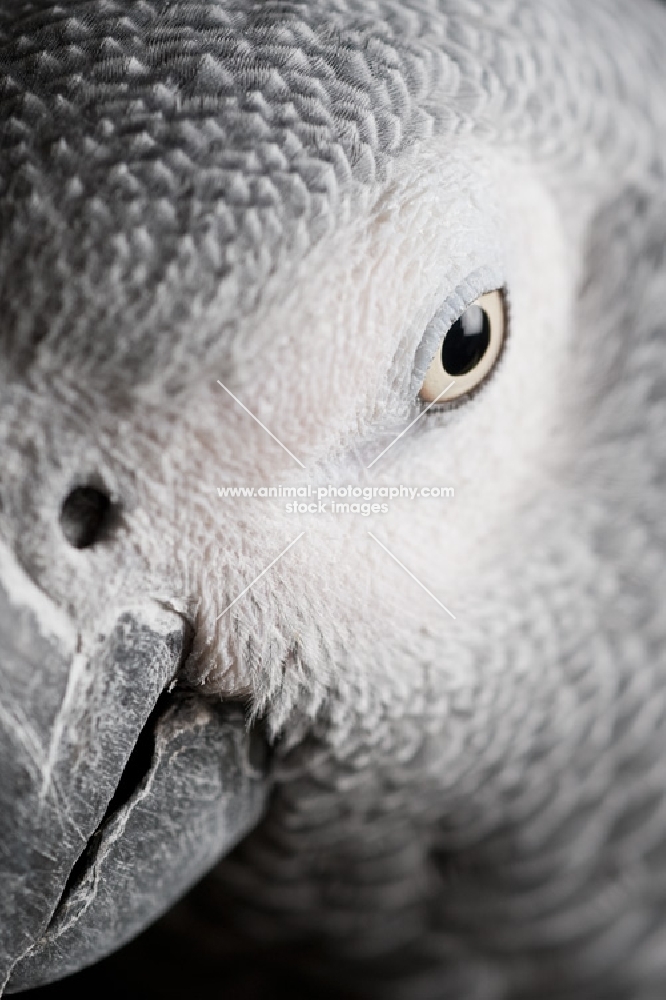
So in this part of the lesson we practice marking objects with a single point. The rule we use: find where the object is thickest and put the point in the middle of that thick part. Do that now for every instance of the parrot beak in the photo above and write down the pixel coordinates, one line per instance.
(117, 789)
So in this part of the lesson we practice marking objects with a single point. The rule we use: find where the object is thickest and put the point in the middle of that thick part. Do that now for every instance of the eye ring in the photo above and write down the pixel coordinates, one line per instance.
(468, 352)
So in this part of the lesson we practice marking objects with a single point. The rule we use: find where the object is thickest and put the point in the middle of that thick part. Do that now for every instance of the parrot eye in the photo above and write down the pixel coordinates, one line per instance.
(469, 350)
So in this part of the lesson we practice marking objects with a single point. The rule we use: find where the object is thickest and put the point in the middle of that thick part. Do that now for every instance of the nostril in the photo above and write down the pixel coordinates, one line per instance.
(86, 516)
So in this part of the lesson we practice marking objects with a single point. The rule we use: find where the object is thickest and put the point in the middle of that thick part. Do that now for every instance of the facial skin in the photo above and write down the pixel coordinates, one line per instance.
(451, 794)
(333, 371)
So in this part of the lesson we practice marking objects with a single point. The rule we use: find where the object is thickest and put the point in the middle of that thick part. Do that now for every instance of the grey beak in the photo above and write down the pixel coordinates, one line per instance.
(115, 795)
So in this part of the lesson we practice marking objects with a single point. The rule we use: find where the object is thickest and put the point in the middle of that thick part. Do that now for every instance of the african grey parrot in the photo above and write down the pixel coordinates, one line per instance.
(365, 242)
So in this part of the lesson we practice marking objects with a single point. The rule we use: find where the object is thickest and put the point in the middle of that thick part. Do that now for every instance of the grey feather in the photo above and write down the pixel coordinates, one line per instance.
(486, 824)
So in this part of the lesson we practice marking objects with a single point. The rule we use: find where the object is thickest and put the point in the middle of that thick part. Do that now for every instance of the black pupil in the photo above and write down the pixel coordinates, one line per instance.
(466, 342)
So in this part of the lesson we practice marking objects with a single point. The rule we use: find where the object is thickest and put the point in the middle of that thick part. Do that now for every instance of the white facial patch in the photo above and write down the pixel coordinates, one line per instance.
(332, 372)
